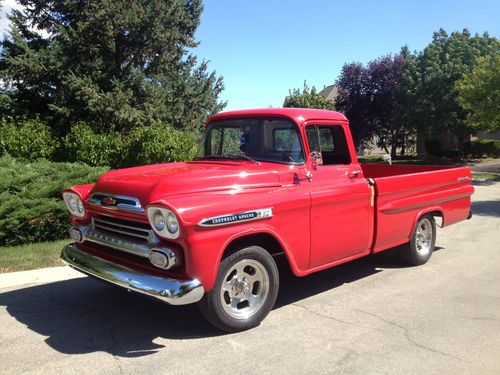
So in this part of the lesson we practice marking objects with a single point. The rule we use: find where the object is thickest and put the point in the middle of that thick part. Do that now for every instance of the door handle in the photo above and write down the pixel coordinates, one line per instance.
(353, 174)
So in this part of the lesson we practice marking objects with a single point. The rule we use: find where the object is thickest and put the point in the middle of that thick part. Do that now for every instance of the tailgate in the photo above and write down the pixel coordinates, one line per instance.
(404, 192)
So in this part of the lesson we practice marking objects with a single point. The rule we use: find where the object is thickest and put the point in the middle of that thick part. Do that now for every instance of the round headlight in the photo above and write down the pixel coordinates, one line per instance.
(172, 224)
(164, 222)
(79, 206)
(159, 220)
(74, 204)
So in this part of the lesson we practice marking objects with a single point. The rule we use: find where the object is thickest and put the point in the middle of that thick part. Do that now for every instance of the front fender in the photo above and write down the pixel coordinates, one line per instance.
(205, 246)
(205, 250)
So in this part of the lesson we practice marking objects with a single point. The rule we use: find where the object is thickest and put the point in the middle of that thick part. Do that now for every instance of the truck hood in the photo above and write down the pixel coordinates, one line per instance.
(153, 182)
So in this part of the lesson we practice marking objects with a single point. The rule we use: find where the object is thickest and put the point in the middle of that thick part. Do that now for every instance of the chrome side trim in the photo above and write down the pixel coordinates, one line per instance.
(235, 218)
(96, 201)
(172, 291)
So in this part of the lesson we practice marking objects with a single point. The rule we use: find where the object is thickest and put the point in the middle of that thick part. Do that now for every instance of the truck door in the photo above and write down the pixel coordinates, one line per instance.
(341, 212)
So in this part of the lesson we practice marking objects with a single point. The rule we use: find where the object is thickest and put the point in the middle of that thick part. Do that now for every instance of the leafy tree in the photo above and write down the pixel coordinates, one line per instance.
(429, 81)
(353, 101)
(112, 63)
(385, 75)
(479, 93)
(370, 97)
(307, 98)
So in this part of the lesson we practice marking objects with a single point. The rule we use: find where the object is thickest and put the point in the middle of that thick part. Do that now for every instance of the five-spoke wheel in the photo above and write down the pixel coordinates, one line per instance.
(245, 290)
(423, 239)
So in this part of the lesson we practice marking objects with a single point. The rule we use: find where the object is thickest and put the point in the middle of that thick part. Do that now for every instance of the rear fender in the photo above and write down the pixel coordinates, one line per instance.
(425, 212)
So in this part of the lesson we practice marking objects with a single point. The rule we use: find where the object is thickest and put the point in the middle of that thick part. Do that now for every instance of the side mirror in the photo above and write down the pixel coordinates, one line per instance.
(317, 157)
(313, 161)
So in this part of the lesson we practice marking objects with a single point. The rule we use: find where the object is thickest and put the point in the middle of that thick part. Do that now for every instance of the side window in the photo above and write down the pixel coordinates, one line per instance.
(326, 139)
(312, 138)
(330, 140)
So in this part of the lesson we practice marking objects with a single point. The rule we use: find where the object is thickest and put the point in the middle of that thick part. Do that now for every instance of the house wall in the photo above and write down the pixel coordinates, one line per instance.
(487, 135)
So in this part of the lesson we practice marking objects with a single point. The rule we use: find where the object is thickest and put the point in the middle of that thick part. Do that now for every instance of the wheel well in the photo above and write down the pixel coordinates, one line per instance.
(435, 214)
(264, 240)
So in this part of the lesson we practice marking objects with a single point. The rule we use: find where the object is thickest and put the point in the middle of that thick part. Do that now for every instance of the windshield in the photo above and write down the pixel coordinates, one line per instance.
(274, 140)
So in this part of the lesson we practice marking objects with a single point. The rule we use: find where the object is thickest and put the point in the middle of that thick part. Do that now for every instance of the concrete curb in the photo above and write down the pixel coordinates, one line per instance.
(40, 276)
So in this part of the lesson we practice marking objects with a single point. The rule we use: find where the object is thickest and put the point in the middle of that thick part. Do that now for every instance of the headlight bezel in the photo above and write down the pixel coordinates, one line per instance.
(153, 211)
(74, 204)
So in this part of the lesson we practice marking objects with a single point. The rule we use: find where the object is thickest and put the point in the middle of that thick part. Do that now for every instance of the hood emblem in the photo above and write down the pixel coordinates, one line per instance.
(108, 201)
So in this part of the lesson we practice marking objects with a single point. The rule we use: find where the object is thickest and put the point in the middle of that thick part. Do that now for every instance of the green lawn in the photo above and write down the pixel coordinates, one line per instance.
(31, 256)
(485, 176)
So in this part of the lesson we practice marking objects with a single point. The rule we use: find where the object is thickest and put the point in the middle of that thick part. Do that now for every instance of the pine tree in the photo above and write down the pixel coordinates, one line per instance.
(114, 64)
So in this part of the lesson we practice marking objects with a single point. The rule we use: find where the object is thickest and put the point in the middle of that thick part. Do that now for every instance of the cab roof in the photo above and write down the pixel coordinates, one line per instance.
(299, 115)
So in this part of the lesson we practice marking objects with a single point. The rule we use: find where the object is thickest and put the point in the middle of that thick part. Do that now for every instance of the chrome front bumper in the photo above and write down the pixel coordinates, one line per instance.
(174, 292)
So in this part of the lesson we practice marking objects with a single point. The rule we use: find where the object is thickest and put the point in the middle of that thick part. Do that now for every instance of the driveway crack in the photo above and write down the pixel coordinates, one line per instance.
(332, 318)
(405, 332)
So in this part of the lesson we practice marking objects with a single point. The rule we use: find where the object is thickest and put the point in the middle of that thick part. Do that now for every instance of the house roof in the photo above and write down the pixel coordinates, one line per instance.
(330, 92)
(299, 115)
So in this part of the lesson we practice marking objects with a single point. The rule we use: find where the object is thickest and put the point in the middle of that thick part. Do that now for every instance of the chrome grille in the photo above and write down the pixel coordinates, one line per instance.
(132, 230)
(110, 201)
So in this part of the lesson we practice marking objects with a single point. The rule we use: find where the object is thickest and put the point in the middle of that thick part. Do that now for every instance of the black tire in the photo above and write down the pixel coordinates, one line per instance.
(423, 239)
(217, 305)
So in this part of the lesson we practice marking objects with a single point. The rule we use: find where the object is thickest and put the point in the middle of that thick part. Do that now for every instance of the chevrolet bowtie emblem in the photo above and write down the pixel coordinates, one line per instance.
(108, 201)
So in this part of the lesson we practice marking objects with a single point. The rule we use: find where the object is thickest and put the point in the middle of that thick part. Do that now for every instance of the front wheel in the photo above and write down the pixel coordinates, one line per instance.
(245, 290)
(423, 240)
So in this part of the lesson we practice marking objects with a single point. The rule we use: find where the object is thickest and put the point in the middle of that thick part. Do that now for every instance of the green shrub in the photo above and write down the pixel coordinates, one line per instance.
(84, 145)
(26, 140)
(143, 145)
(158, 144)
(483, 147)
(31, 208)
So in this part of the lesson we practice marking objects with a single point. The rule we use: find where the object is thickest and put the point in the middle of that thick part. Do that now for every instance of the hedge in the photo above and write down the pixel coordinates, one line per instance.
(83, 144)
(30, 140)
(27, 139)
(158, 144)
(31, 208)
(483, 147)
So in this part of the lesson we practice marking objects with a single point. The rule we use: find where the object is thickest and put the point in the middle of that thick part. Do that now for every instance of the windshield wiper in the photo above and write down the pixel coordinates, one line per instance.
(209, 157)
(230, 157)
(244, 157)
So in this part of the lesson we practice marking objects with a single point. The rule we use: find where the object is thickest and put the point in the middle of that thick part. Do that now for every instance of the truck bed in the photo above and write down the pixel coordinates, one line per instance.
(405, 192)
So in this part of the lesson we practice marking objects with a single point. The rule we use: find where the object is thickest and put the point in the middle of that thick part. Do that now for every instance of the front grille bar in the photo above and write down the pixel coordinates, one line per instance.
(131, 237)
(99, 223)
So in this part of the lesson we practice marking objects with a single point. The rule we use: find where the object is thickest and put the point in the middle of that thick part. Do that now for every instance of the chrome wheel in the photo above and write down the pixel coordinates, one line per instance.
(423, 236)
(244, 289)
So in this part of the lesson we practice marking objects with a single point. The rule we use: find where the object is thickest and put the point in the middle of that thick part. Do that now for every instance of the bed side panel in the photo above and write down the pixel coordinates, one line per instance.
(401, 199)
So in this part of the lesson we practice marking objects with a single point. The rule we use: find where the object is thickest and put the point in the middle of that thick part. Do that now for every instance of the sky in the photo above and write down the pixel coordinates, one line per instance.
(264, 48)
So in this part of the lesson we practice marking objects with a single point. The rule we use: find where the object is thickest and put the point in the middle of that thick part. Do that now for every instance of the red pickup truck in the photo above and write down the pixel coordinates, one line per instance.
(266, 182)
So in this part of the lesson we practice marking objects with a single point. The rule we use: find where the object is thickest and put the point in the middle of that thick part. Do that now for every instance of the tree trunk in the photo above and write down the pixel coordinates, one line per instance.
(421, 139)
(394, 146)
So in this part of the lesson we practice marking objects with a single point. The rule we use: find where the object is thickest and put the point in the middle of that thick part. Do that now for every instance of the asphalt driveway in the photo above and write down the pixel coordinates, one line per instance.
(371, 316)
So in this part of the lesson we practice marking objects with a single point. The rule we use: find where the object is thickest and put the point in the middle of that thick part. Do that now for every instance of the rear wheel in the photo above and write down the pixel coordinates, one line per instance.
(423, 239)
(245, 290)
